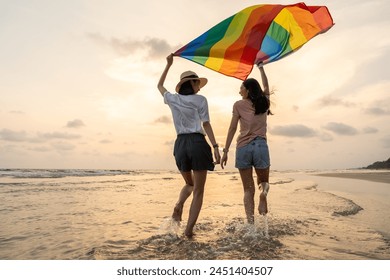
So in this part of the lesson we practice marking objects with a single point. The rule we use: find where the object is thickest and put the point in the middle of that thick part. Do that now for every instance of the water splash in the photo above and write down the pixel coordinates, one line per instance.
(169, 226)
(234, 239)
(261, 225)
(249, 232)
(264, 226)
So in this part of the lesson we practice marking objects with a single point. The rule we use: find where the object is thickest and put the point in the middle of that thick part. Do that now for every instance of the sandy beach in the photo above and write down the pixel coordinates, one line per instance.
(382, 176)
(70, 214)
(366, 199)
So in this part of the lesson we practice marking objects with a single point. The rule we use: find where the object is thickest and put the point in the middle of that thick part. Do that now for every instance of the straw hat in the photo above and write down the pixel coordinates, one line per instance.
(190, 75)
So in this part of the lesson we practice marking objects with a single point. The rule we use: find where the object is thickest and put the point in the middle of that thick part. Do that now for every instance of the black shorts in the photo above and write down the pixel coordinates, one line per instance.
(192, 152)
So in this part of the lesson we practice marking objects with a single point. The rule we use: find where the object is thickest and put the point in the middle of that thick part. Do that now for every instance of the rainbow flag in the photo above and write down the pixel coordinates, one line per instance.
(257, 34)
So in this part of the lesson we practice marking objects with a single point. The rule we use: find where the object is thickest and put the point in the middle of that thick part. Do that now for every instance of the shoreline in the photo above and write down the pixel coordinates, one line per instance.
(128, 216)
(380, 177)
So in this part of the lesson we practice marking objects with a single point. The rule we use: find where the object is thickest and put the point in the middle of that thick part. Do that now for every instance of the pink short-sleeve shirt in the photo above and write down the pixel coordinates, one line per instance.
(251, 125)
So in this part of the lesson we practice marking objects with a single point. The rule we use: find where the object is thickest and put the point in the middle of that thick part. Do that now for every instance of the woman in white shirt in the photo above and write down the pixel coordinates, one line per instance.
(192, 152)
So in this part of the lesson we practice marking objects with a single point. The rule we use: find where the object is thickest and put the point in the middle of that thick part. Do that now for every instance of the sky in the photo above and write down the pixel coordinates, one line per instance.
(78, 85)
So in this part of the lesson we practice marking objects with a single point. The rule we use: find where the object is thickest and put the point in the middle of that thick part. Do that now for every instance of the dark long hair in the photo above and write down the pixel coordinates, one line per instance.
(186, 88)
(259, 100)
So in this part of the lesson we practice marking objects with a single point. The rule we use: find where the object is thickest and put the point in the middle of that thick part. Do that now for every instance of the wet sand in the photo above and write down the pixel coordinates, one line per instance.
(374, 176)
(128, 216)
(304, 222)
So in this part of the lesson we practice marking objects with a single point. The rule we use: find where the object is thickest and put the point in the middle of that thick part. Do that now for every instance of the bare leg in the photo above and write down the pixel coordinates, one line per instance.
(184, 194)
(262, 175)
(249, 193)
(262, 182)
(197, 200)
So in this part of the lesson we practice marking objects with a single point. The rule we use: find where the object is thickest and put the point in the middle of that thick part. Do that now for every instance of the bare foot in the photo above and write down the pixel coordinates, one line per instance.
(189, 234)
(177, 213)
(263, 208)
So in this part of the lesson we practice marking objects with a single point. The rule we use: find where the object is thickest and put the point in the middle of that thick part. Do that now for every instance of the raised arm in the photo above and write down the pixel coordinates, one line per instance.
(160, 84)
(264, 79)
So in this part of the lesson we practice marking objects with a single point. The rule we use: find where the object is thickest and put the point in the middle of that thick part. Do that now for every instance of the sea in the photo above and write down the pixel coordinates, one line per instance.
(81, 214)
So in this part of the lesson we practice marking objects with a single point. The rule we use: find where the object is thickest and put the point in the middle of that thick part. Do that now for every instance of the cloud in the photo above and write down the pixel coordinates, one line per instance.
(155, 47)
(63, 146)
(76, 123)
(105, 141)
(22, 136)
(371, 70)
(370, 130)
(329, 100)
(380, 106)
(377, 111)
(40, 149)
(296, 130)
(163, 119)
(341, 129)
(326, 137)
(58, 135)
(13, 136)
(386, 142)
(16, 112)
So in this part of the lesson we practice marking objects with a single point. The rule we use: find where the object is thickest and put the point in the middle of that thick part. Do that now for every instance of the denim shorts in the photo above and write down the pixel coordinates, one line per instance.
(192, 152)
(254, 154)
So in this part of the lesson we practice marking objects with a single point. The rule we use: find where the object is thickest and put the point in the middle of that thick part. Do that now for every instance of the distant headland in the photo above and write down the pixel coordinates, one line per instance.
(379, 165)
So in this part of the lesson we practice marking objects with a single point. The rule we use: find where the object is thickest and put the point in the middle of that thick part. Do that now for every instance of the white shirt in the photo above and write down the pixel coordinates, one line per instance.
(188, 111)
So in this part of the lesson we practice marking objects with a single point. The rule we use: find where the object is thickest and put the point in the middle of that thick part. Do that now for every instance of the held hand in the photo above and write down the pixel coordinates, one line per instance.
(170, 59)
(217, 156)
(224, 160)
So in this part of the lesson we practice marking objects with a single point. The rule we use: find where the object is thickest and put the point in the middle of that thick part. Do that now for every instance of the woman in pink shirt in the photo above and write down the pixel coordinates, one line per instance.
(251, 149)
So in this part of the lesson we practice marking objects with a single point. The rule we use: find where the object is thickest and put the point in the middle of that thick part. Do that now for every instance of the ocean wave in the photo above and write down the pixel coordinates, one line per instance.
(335, 204)
(61, 173)
(350, 208)
(276, 181)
